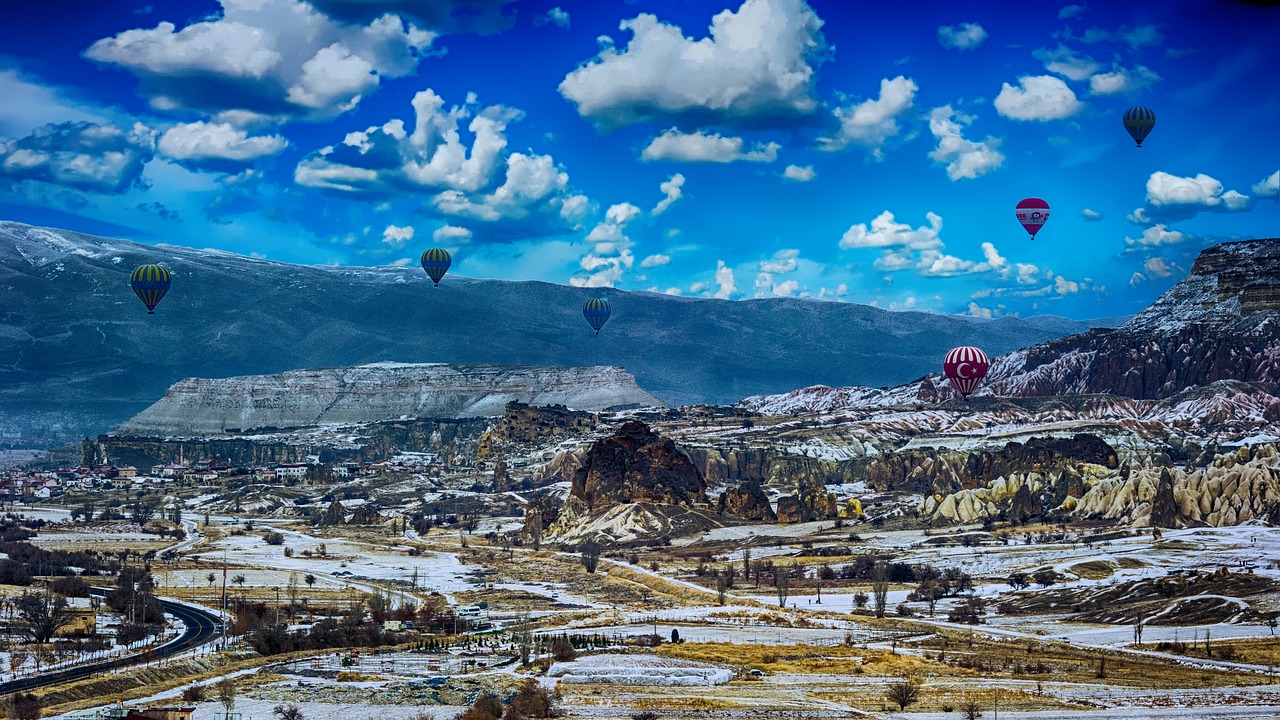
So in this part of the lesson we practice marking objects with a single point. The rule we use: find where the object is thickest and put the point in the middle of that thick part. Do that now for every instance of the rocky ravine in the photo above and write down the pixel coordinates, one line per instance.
(373, 393)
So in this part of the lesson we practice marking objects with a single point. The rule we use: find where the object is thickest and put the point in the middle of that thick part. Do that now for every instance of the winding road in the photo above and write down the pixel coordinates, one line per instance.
(201, 626)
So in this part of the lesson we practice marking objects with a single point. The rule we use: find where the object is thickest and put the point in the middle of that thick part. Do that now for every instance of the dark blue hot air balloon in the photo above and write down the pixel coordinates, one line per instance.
(597, 313)
(150, 283)
(436, 262)
(1139, 121)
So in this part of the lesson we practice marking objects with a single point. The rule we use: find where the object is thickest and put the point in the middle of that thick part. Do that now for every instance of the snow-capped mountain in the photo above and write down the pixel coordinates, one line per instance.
(79, 355)
(1221, 322)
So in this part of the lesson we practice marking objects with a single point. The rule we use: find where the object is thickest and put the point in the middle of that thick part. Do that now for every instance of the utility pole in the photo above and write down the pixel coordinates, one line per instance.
(277, 606)
(224, 599)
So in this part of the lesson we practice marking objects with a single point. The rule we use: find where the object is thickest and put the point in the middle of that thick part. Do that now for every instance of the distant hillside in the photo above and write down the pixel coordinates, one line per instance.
(1220, 323)
(79, 355)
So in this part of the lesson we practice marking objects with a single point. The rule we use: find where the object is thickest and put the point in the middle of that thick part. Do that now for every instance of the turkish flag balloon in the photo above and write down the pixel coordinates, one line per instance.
(965, 367)
(1032, 213)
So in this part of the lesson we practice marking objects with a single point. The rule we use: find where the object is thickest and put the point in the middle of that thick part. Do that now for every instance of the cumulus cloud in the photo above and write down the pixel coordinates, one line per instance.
(557, 16)
(507, 195)
(610, 255)
(1037, 97)
(451, 234)
(796, 173)
(1121, 81)
(701, 147)
(211, 142)
(655, 261)
(1068, 63)
(1156, 236)
(782, 262)
(454, 16)
(397, 236)
(270, 57)
(977, 310)
(919, 248)
(885, 232)
(964, 36)
(1170, 197)
(1268, 186)
(756, 67)
(965, 159)
(1090, 215)
(83, 155)
(1071, 11)
(725, 285)
(1158, 267)
(673, 189)
(872, 123)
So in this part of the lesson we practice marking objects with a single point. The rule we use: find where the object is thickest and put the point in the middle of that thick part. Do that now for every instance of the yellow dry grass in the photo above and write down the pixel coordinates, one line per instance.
(806, 659)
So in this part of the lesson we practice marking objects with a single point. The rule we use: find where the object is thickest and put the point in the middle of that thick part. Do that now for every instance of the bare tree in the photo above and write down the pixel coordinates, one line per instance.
(746, 562)
(722, 584)
(42, 615)
(903, 693)
(880, 587)
(287, 712)
(310, 580)
(970, 708)
(225, 693)
(782, 582)
(590, 551)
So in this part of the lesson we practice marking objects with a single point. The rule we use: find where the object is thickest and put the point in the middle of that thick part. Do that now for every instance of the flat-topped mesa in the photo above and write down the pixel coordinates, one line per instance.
(376, 392)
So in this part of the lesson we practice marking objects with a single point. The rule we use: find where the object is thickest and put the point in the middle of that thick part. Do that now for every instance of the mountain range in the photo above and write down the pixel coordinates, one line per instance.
(79, 354)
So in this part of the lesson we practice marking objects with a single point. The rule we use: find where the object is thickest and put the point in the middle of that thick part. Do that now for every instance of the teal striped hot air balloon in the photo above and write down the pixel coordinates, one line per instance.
(436, 262)
(1139, 121)
(150, 283)
(597, 313)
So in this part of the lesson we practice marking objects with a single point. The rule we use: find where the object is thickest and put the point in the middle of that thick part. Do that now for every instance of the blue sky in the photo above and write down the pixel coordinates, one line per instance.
(850, 151)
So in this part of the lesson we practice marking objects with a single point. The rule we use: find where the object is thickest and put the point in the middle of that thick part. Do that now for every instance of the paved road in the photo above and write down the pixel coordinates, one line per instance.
(202, 626)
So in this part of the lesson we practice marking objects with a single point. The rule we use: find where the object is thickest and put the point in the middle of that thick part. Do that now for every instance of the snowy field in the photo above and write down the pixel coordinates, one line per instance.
(639, 670)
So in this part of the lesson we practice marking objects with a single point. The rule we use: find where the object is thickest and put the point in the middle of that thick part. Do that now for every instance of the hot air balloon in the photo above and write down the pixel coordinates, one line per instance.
(150, 283)
(1139, 121)
(965, 367)
(436, 262)
(1032, 213)
(597, 313)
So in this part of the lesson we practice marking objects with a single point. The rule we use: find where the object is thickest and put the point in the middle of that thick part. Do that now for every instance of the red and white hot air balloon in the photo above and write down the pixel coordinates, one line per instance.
(1032, 213)
(965, 367)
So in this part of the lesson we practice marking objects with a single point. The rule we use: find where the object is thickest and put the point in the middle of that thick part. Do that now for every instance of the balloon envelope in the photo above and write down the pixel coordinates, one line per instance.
(965, 367)
(436, 262)
(597, 313)
(1139, 121)
(1032, 213)
(150, 283)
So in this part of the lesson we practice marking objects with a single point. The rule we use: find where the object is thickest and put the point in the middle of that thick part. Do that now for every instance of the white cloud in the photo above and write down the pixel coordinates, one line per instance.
(965, 159)
(885, 232)
(796, 173)
(964, 36)
(1071, 11)
(783, 262)
(1038, 97)
(1158, 267)
(510, 196)
(725, 285)
(557, 16)
(1268, 186)
(1135, 37)
(397, 236)
(676, 146)
(203, 142)
(1122, 81)
(872, 123)
(655, 261)
(786, 288)
(611, 254)
(1068, 63)
(1026, 273)
(1156, 236)
(673, 189)
(977, 310)
(756, 67)
(451, 234)
(81, 155)
(273, 57)
(1065, 287)
(1090, 215)
(1170, 197)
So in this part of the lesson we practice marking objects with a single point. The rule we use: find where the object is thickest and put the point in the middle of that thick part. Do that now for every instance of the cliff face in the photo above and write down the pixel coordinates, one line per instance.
(635, 465)
(372, 393)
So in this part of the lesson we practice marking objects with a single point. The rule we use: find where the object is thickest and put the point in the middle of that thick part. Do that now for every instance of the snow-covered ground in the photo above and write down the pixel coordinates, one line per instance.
(634, 669)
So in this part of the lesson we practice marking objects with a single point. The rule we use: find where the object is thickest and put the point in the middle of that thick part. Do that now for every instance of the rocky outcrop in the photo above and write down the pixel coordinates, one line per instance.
(1164, 508)
(935, 471)
(747, 501)
(199, 407)
(636, 465)
(522, 426)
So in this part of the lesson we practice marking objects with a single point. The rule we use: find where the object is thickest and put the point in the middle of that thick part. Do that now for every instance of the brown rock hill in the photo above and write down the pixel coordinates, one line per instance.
(636, 465)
